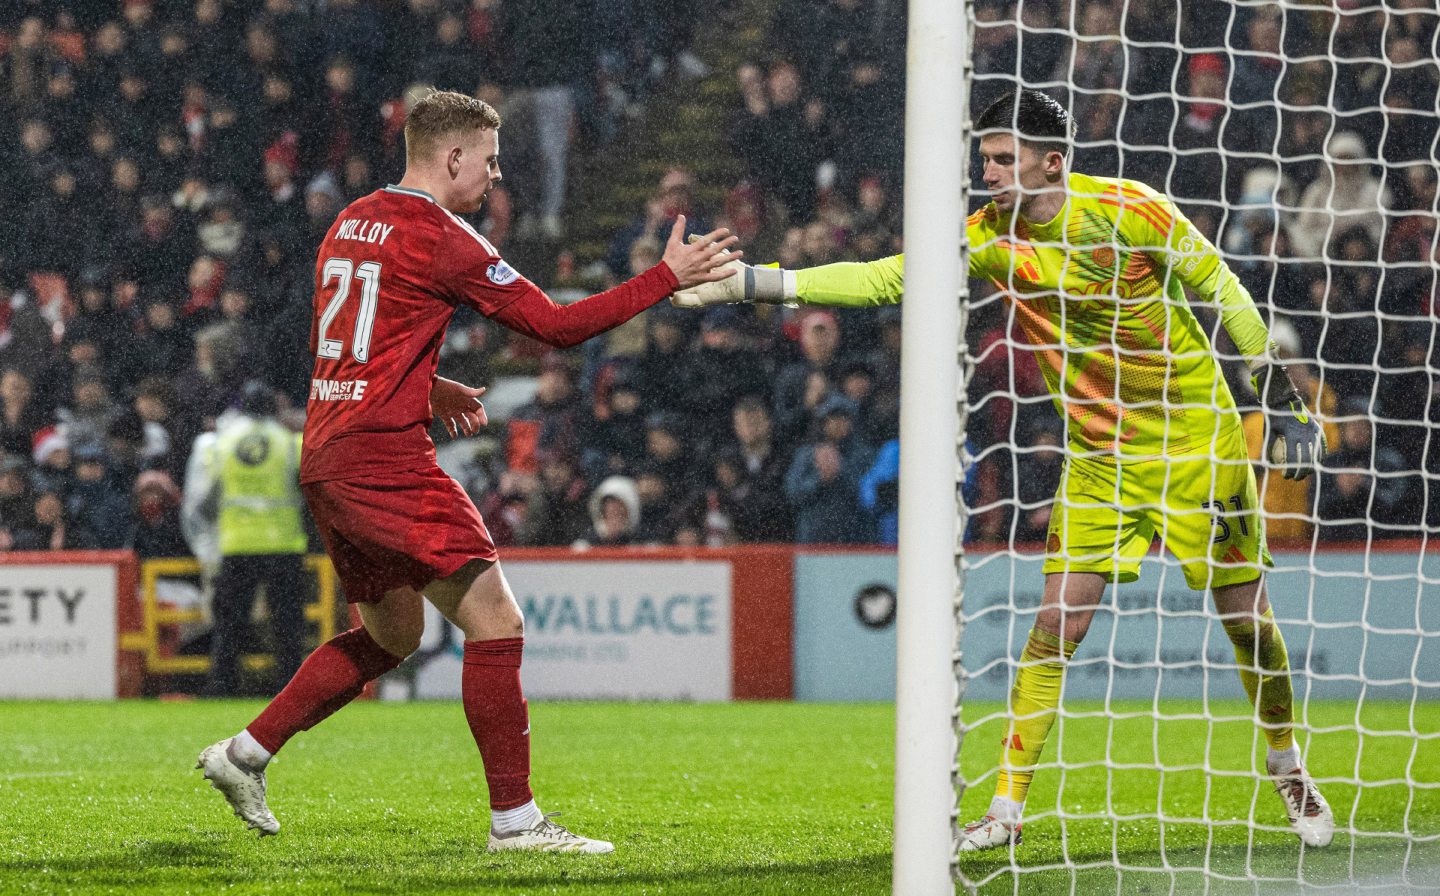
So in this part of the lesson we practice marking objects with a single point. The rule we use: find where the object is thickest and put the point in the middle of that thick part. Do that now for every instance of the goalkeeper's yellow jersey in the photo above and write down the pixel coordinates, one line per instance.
(1099, 293)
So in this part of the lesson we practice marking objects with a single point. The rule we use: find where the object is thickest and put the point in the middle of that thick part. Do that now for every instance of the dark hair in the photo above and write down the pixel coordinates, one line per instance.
(1036, 118)
(258, 400)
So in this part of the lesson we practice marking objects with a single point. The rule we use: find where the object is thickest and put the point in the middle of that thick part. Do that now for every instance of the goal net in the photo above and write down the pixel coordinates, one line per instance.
(1300, 140)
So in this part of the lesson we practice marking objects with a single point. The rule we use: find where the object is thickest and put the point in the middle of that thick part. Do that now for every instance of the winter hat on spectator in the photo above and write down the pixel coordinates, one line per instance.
(12, 463)
(1259, 186)
(666, 421)
(89, 453)
(48, 441)
(324, 183)
(1206, 64)
(837, 406)
(1286, 337)
(1346, 145)
(285, 151)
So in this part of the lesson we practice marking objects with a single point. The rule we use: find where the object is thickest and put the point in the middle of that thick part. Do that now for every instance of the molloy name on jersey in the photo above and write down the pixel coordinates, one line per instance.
(364, 231)
(337, 390)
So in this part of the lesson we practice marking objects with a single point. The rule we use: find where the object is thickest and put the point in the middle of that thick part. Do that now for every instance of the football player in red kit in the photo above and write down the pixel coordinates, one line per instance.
(390, 273)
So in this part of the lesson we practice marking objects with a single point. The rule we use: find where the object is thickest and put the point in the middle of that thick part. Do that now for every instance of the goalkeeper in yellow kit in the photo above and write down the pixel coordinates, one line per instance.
(1095, 269)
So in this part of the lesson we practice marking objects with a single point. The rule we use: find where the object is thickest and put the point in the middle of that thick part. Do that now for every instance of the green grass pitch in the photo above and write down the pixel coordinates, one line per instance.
(733, 798)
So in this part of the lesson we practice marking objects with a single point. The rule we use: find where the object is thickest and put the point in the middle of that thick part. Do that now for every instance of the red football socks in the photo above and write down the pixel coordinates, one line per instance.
(496, 711)
(329, 678)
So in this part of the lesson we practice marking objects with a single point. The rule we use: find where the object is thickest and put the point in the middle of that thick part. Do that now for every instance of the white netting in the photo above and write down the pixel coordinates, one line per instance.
(1301, 139)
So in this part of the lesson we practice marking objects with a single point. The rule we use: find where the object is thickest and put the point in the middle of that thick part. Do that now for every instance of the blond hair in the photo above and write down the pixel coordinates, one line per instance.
(440, 113)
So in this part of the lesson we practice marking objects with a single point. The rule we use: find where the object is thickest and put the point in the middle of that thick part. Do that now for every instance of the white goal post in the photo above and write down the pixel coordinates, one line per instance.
(932, 328)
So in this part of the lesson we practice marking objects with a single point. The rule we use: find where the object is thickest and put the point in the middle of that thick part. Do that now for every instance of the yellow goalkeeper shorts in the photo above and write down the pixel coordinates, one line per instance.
(1204, 509)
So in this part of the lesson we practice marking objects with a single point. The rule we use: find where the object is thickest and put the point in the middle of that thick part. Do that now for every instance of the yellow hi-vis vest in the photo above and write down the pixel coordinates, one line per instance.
(256, 467)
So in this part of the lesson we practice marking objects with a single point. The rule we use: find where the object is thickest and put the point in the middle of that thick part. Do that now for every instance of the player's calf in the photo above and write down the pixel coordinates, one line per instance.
(241, 783)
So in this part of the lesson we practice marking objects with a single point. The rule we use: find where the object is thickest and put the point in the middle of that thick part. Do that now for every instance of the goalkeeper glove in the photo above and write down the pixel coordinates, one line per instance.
(772, 286)
(1294, 440)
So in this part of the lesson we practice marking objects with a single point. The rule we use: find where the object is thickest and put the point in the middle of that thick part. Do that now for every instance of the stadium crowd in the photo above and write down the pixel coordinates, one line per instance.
(173, 165)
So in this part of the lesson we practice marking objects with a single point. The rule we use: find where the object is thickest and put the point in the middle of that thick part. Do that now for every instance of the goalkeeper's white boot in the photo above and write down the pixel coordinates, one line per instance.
(242, 786)
(547, 836)
(989, 833)
(1309, 814)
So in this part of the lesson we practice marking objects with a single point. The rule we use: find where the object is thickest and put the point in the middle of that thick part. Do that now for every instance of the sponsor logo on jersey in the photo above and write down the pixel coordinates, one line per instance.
(337, 390)
(501, 274)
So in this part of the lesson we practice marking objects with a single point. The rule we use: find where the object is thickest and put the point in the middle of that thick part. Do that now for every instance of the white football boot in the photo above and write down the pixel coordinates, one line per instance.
(1309, 814)
(989, 833)
(547, 836)
(242, 788)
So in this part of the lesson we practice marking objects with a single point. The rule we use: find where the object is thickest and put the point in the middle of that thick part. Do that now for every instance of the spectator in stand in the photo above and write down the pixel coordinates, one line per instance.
(90, 411)
(880, 492)
(614, 514)
(870, 112)
(557, 513)
(675, 196)
(504, 507)
(1344, 195)
(801, 386)
(665, 453)
(1254, 119)
(97, 501)
(163, 348)
(753, 498)
(660, 372)
(449, 61)
(1192, 164)
(26, 64)
(157, 532)
(52, 470)
(15, 501)
(779, 134)
(552, 419)
(47, 528)
(1364, 490)
(719, 372)
(20, 416)
(203, 391)
(659, 509)
(614, 439)
(548, 59)
(823, 482)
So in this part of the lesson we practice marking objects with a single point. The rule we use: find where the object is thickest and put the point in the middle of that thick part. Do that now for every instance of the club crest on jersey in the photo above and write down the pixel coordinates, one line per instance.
(1103, 257)
(501, 274)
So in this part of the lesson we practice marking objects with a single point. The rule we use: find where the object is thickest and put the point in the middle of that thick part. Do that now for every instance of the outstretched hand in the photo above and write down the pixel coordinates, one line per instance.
(702, 261)
(457, 406)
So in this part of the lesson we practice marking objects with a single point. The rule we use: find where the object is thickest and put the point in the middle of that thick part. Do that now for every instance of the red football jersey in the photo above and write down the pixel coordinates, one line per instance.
(391, 272)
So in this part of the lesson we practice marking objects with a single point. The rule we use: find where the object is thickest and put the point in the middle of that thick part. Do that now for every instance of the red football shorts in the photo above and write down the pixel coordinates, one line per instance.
(391, 530)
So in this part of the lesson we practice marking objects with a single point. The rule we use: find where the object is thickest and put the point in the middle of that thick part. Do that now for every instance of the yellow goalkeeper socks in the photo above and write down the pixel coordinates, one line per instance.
(1265, 673)
(1033, 702)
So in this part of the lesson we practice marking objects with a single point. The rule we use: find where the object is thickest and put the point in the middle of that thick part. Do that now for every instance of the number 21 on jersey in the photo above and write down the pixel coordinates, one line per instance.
(345, 271)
